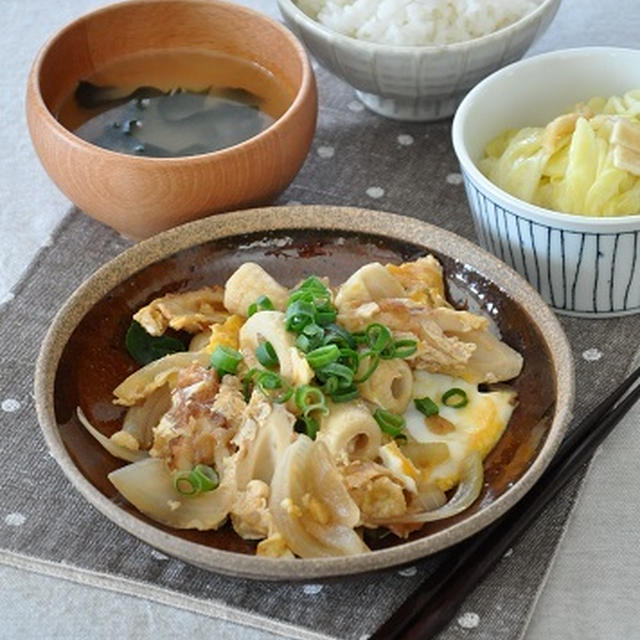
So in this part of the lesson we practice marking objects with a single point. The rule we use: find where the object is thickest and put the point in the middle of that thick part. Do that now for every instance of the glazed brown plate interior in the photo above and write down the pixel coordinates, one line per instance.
(94, 361)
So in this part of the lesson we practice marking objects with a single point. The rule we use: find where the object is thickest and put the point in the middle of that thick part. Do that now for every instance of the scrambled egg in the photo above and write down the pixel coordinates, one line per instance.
(225, 334)
(476, 427)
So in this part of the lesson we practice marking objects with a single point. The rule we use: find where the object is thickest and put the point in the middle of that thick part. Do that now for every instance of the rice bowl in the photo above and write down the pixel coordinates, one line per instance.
(417, 22)
(415, 82)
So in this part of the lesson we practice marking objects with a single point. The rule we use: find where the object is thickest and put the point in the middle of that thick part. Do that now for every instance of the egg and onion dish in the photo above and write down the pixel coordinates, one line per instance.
(584, 162)
(306, 415)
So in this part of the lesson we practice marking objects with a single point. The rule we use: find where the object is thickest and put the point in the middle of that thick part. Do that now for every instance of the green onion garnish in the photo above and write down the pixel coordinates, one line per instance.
(336, 370)
(350, 358)
(307, 425)
(374, 360)
(199, 480)
(390, 423)
(405, 348)
(267, 355)
(389, 352)
(312, 427)
(455, 397)
(331, 385)
(321, 357)
(311, 338)
(183, 484)
(299, 314)
(345, 395)
(225, 359)
(426, 405)
(246, 382)
(359, 337)
(312, 290)
(207, 477)
(378, 337)
(325, 316)
(274, 387)
(310, 399)
(335, 334)
(263, 303)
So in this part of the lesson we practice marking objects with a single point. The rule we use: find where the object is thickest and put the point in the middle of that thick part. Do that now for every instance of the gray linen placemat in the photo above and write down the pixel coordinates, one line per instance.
(357, 159)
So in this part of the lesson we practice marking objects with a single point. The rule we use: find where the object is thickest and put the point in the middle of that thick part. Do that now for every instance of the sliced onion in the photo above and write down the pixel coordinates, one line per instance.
(466, 494)
(307, 468)
(114, 449)
(156, 374)
(148, 486)
(141, 419)
(430, 498)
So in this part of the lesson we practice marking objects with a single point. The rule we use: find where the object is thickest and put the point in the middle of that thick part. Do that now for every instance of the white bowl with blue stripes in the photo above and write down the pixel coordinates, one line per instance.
(416, 83)
(581, 265)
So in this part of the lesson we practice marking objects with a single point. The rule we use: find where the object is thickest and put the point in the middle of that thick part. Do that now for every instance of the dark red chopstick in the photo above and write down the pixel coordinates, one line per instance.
(430, 608)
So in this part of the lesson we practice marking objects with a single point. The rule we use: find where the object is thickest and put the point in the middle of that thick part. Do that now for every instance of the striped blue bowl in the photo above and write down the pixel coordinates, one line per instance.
(581, 265)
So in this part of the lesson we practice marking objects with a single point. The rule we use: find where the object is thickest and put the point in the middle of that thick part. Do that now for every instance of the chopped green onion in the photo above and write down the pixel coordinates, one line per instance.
(350, 358)
(313, 331)
(313, 283)
(455, 397)
(200, 479)
(310, 399)
(321, 357)
(225, 359)
(299, 314)
(325, 316)
(267, 355)
(312, 290)
(310, 426)
(389, 352)
(390, 423)
(184, 485)
(263, 303)
(359, 337)
(335, 334)
(402, 438)
(373, 365)
(311, 338)
(405, 348)
(426, 405)
(246, 381)
(378, 336)
(270, 383)
(331, 385)
(304, 343)
(350, 393)
(207, 477)
(336, 370)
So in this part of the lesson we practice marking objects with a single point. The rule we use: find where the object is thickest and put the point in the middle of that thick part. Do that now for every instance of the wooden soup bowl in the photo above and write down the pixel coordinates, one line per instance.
(140, 196)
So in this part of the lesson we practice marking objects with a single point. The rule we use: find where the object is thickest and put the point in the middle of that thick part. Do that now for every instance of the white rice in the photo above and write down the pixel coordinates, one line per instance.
(416, 22)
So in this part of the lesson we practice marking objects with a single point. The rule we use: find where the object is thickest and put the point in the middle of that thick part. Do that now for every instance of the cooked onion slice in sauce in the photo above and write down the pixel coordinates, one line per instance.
(114, 449)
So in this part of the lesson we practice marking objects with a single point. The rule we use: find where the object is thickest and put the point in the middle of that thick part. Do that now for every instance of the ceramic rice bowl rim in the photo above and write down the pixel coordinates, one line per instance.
(300, 17)
(333, 220)
(572, 222)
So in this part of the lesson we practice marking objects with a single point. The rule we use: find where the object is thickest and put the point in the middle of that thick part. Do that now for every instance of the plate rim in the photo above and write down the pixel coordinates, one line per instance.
(282, 218)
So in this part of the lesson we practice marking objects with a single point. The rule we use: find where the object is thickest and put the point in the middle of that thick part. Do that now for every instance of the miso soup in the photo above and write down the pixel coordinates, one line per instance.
(174, 103)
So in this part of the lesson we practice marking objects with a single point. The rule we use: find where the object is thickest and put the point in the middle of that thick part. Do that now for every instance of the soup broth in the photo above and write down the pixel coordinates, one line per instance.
(174, 103)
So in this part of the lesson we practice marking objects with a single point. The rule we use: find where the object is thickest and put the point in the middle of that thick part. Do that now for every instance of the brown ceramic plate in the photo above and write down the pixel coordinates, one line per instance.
(83, 358)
